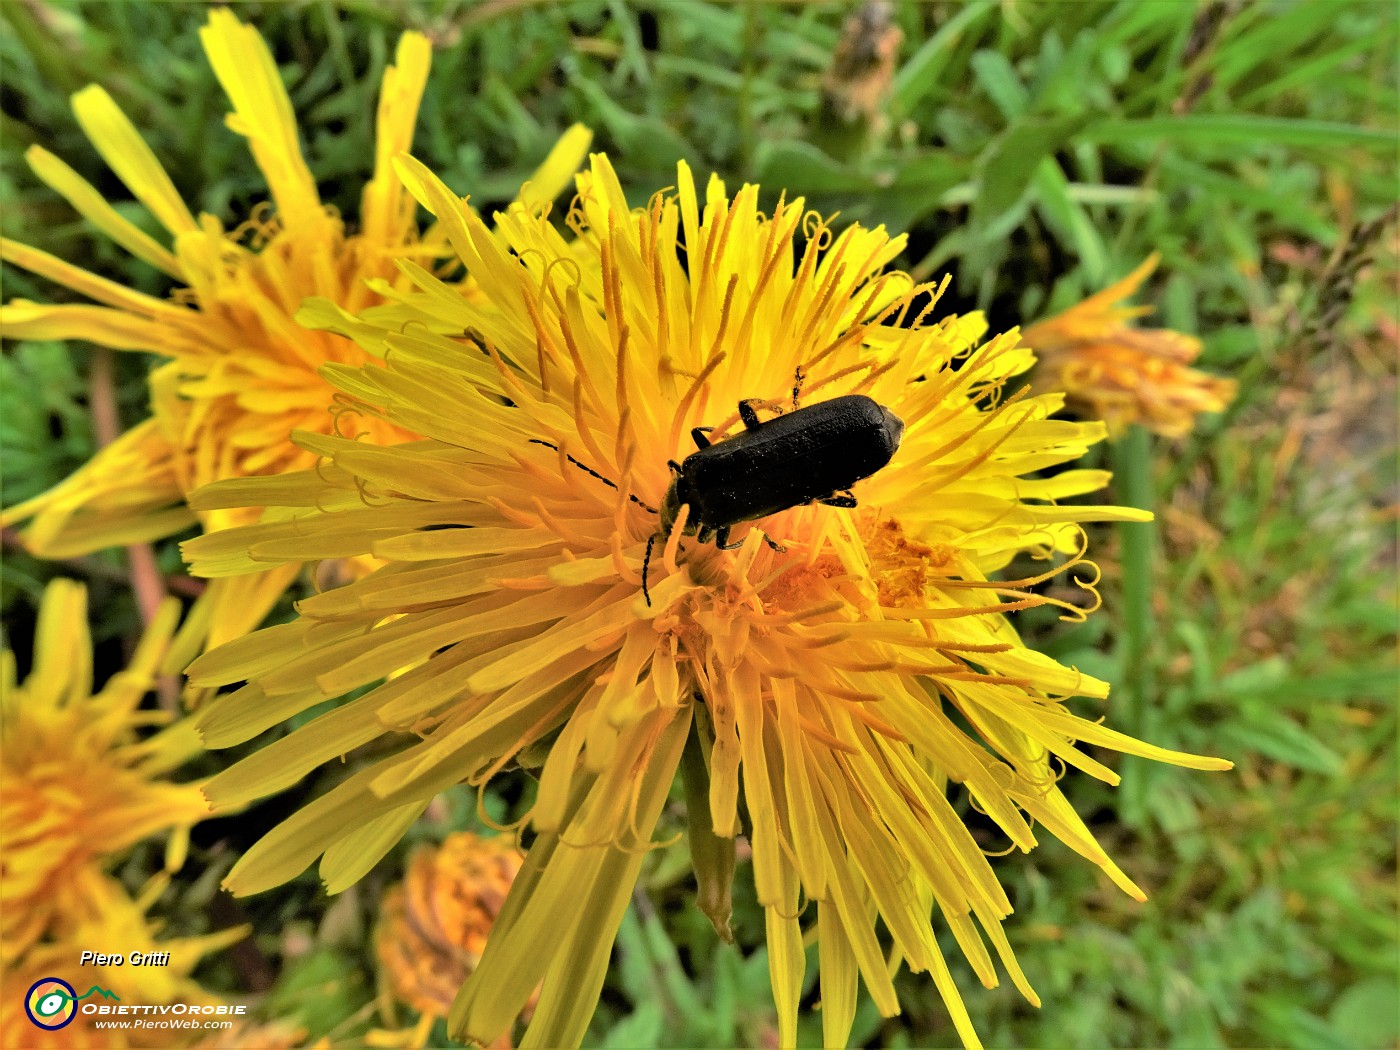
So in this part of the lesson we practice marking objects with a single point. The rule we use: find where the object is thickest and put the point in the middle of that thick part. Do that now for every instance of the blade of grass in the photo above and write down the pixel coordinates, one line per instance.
(1132, 477)
(1232, 129)
(919, 76)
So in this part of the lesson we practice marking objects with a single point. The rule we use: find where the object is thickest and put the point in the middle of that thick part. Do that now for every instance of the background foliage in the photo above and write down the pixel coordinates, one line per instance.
(1034, 150)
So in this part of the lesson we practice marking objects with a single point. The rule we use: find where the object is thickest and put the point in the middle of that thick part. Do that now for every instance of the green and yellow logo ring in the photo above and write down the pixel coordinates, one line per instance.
(51, 1004)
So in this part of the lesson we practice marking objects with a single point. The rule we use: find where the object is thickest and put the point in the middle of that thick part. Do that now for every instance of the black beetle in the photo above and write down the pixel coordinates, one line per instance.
(810, 454)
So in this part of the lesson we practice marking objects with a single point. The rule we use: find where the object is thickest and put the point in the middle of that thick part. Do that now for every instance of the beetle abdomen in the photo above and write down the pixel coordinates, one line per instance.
(790, 460)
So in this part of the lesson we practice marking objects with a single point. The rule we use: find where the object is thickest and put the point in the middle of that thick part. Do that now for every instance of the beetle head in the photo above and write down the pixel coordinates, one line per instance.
(676, 495)
(894, 427)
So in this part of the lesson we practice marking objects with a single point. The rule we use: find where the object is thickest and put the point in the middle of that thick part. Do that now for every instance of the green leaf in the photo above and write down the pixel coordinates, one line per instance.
(1257, 678)
(633, 967)
(1006, 172)
(1252, 195)
(1094, 662)
(45, 429)
(1368, 1013)
(993, 71)
(919, 76)
(916, 189)
(673, 980)
(1292, 1025)
(1379, 684)
(1266, 45)
(1116, 63)
(1006, 167)
(1230, 344)
(1068, 220)
(1304, 73)
(1193, 637)
(319, 990)
(897, 198)
(649, 141)
(1176, 814)
(803, 168)
(721, 1012)
(1283, 740)
(1236, 129)
(640, 1028)
(1380, 617)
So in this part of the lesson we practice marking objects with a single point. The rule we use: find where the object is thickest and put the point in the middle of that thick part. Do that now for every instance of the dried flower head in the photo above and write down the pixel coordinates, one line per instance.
(433, 926)
(863, 64)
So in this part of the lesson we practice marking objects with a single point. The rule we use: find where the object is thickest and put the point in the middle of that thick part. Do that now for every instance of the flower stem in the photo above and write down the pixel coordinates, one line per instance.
(146, 578)
(712, 856)
(1132, 475)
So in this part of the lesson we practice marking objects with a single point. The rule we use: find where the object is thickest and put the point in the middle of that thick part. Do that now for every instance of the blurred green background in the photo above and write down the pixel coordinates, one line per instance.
(1036, 151)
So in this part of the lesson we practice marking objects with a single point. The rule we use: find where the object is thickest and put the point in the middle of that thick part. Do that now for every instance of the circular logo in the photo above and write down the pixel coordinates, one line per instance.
(51, 1004)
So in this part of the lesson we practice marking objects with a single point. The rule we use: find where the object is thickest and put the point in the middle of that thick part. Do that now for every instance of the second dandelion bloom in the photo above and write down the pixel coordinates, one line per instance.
(80, 785)
(239, 373)
(828, 693)
(1122, 374)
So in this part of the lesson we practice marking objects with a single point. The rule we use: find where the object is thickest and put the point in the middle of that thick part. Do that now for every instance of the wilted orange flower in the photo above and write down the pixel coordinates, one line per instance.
(241, 374)
(863, 64)
(433, 926)
(1122, 374)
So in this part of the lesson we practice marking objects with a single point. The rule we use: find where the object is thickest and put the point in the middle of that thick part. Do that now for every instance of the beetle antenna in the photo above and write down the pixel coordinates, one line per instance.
(589, 470)
(646, 564)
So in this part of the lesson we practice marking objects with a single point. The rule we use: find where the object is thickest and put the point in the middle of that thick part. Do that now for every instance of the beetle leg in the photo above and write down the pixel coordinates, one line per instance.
(698, 435)
(747, 414)
(838, 499)
(774, 544)
(722, 540)
(675, 467)
(703, 536)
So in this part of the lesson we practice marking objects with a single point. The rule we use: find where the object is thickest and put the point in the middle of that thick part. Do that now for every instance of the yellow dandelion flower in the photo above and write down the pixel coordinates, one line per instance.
(1122, 374)
(831, 690)
(433, 926)
(103, 914)
(241, 373)
(78, 785)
